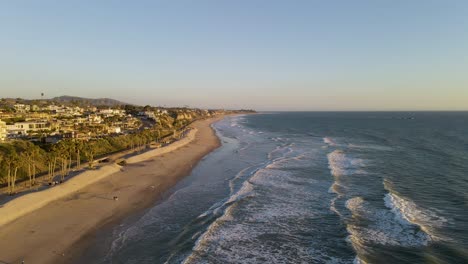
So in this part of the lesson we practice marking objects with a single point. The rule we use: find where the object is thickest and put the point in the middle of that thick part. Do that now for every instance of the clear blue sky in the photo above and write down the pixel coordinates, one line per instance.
(268, 55)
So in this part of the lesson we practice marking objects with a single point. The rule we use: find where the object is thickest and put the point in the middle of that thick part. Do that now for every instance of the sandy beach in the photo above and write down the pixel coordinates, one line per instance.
(46, 232)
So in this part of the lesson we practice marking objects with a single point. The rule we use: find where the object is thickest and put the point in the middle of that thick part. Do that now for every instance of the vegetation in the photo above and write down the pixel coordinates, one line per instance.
(22, 160)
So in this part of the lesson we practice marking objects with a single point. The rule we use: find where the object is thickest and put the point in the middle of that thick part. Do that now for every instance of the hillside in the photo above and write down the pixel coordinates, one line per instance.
(87, 101)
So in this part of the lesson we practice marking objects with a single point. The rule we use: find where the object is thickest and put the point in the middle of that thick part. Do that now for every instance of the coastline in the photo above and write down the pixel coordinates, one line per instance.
(48, 235)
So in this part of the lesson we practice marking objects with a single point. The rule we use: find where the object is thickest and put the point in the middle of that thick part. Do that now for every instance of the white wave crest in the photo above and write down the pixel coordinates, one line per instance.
(340, 164)
(406, 211)
(378, 226)
(329, 141)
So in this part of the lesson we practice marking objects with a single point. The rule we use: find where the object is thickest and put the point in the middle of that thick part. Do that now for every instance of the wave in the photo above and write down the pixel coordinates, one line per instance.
(370, 146)
(236, 120)
(333, 207)
(337, 188)
(372, 225)
(240, 235)
(268, 219)
(202, 242)
(406, 211)
(291, 162)
(341, 164)
(280, 152)
(358, 260)
(333, 143)
(329, 141)
(278, 139)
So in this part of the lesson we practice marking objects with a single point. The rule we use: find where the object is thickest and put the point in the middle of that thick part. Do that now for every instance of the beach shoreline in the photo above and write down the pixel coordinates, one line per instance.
(52, 234)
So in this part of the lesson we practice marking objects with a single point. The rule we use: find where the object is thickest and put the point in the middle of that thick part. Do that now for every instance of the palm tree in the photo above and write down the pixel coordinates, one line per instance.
(89, 151)
(51, 161)
(71, 150)
(9, 162)
(63, 153)
(78, 147)
(35, 155)
(27, 157)
(14, 166)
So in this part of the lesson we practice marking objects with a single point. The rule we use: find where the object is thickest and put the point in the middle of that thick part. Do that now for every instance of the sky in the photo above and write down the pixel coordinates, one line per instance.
(261, 54)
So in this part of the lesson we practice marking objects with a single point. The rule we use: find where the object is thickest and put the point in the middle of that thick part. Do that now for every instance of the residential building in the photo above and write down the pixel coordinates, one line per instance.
(148, 114)
(22, 128)
(21, 108)
(35, 108)
(114, 130)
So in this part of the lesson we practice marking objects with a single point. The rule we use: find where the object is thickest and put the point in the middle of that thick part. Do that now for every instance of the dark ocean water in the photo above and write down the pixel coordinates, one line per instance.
(314, 188)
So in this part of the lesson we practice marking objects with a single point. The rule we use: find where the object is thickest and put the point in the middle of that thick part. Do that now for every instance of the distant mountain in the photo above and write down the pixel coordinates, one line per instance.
(87, 101)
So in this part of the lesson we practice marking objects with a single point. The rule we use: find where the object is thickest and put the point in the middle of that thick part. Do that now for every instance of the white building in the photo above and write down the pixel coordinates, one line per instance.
(106, 111)
(22, 128)
(54, 107)
(148, 114)
(21, 108)
(161, 111)
(95, 119)
(112, 112)
(114, 130)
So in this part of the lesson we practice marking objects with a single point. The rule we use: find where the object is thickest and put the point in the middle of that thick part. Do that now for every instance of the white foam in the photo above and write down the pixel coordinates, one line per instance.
(240, 175)
(238, 236)
(275, 179)
(357, 260)
(406, 211)
(242, 227)
(329, 141)
(291, 162)
(277, 139)
(379, 226)
(341, 165)
(245, 191)
(337, 188)
(333, 207)
(354, 203)
(280, 152)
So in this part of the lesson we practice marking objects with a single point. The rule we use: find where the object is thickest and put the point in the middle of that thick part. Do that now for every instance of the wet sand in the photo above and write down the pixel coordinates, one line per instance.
(51, 234)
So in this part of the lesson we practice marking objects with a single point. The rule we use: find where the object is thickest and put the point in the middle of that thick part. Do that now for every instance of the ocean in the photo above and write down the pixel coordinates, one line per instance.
(314, 187)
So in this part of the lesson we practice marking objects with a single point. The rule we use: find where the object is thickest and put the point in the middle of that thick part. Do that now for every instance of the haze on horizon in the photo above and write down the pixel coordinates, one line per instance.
(266, 55)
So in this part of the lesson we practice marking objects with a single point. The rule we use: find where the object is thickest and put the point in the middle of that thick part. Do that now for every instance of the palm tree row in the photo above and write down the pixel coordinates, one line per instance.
(25, 160)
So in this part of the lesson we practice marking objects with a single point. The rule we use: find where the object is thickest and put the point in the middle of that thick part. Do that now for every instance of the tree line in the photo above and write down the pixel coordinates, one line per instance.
(23, 160)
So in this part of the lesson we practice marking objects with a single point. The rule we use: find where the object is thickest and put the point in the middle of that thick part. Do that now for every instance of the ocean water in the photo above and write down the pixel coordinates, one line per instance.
(314, 188)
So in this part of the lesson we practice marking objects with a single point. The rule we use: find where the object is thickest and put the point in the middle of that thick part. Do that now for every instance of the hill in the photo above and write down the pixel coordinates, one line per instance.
(87, 101)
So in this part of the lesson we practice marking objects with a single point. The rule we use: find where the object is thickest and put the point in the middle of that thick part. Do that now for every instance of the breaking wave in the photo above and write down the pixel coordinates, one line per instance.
(268, 219)
(406, 211)
(341, 164)
(329, 141)
(378, 226)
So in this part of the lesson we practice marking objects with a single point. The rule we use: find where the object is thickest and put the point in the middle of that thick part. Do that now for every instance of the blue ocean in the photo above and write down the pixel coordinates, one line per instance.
(314, 187)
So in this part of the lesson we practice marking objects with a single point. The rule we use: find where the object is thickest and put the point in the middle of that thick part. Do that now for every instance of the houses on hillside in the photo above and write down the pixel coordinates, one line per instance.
(49, 122)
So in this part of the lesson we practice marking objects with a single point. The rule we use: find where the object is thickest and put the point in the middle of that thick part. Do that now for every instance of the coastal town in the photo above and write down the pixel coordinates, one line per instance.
(49, 137)
(49, 121)
(77, 162)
